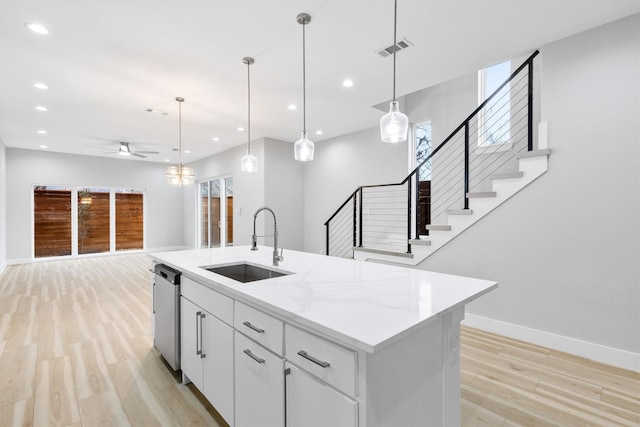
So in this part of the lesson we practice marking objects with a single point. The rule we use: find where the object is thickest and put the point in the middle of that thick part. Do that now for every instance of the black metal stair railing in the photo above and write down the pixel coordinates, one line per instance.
(487, 142)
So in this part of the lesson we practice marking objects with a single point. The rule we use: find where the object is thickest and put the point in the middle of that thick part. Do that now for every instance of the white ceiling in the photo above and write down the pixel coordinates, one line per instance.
(106, 62)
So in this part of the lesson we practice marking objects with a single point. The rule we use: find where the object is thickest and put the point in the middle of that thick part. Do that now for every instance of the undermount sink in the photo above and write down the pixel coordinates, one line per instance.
(244, 272)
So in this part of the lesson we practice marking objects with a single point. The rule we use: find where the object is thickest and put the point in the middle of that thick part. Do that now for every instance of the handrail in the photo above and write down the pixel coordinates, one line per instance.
(476, 111)
(465, 124)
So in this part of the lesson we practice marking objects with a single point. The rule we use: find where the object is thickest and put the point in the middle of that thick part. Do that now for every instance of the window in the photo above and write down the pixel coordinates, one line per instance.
(129, 219)
(216, 212)
(423, 149)
(86, 220)
(93, 220)
(494, 122)
(52, 221)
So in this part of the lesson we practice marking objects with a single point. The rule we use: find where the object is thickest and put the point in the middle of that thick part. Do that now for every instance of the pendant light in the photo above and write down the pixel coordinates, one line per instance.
(303, 148)
(249, 162)
(394, 125)
(180, 175)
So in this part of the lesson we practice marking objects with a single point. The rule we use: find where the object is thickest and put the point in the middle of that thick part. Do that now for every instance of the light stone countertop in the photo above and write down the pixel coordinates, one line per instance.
(364, 305)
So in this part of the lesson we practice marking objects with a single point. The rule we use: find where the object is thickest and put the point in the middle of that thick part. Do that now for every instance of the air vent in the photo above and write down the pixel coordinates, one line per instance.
(156, 111)
(387, 51)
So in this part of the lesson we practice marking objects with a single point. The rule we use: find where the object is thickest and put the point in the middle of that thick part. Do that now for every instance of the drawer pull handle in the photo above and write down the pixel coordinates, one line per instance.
(253, 356)
(199, 334)
(313, 359)
(255, 328)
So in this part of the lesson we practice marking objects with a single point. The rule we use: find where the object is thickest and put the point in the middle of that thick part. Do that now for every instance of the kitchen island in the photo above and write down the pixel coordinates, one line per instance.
(331, 342)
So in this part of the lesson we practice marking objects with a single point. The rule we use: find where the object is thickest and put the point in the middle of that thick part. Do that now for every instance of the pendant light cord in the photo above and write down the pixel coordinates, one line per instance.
(304, 83)
(395, 19)
(248, 106)
(180, 136)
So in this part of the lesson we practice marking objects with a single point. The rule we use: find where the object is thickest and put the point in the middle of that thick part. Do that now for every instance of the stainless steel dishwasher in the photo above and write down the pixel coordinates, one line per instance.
(166, 310)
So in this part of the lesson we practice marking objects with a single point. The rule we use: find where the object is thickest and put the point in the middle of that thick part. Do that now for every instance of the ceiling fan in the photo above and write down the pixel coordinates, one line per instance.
(125, 150)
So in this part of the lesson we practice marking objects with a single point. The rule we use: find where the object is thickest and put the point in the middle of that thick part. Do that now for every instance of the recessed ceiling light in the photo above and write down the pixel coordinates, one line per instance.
(347, 83)
(43, 146)
(187, 152)
(41, 108)
(215, 138)
(167, 160)
(292, 107)
(42, 132)
(36, 28)
(39, 85)
(319, 132)
(240, 129)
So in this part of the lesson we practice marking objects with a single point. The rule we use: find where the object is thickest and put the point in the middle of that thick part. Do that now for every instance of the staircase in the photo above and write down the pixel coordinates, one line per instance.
(485, 161)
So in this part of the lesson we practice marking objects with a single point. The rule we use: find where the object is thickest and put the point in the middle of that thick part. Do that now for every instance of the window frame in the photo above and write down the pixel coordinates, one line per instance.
(222, 179)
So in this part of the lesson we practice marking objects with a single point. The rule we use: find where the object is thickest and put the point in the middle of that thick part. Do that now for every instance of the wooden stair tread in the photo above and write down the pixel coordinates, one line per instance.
(420, 242)
(440, 227)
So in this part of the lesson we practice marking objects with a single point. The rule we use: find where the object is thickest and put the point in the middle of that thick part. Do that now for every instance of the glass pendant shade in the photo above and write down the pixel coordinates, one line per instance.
(249, 162)
(394, 125)
(303, 148)
(180, 175)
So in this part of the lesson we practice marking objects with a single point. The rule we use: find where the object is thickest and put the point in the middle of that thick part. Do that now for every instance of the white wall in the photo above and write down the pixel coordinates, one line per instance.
(340, 165)
(446, 105)
(29, 167)
(3, 206)
(284, 192)
(566, 250)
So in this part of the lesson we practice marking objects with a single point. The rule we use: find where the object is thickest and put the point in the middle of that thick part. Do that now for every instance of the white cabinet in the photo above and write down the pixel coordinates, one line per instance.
(217, 350)
(190, 342)
(207, 356)
(259, 392)
(311, 403)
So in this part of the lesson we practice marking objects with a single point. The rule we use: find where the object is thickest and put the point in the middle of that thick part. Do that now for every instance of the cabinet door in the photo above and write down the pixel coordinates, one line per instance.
(191, 341)
(217, 347)
(259, 385)
(311, 403)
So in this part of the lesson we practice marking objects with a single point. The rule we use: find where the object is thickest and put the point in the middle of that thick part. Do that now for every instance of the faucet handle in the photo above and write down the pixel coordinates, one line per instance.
(280, 257)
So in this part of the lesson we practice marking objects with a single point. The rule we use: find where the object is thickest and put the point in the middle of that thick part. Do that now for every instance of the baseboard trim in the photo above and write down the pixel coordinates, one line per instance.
(18, 261)
(600, 353)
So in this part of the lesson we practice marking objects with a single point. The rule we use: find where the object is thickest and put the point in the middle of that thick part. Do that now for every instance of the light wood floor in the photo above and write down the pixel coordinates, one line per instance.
(76, 349)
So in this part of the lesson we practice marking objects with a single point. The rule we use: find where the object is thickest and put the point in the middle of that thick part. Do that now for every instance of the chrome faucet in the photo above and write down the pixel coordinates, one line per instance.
(254, 239)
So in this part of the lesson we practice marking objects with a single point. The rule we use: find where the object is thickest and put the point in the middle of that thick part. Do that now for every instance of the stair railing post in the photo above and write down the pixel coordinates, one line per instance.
(354, 221)
(360, 219)
(409, 216)
(466, 164)
(530, 106)
(417, 204)
(327, 228)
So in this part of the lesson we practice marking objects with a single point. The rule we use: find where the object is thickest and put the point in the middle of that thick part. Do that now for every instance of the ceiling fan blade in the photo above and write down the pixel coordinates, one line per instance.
(138, 155)
(147, 152)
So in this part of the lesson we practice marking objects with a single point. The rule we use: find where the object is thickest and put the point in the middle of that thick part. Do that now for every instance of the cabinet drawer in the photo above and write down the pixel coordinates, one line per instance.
(330, 362)
(311, 403)
(210, 300)
(259, 326)
(259, 386)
